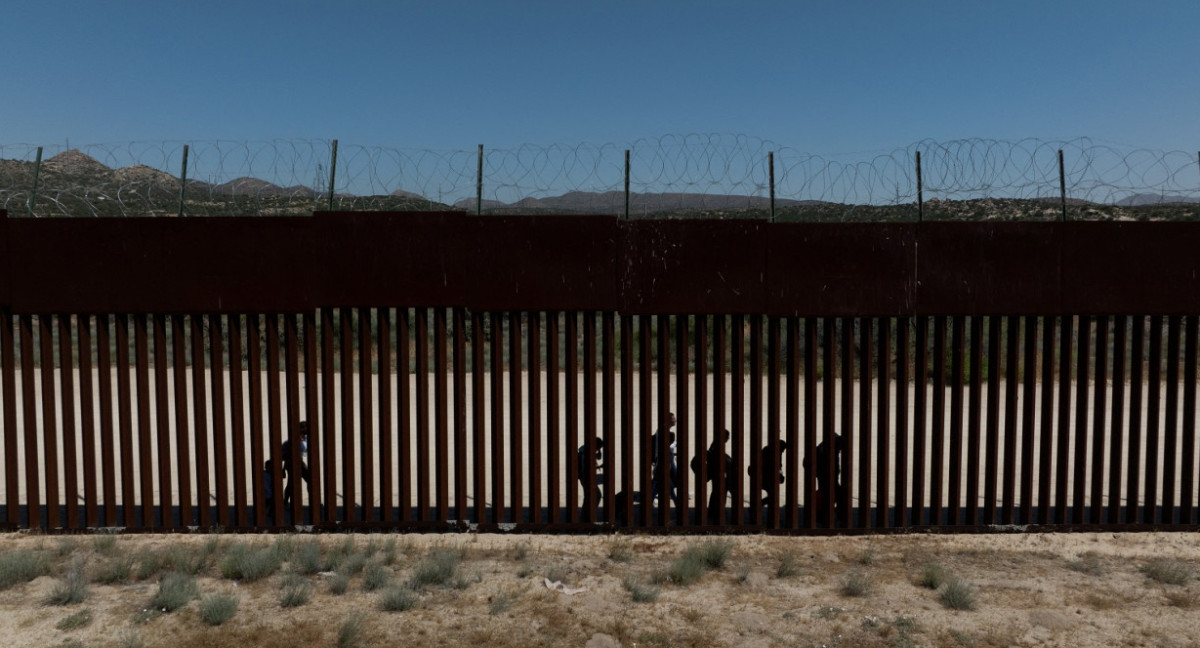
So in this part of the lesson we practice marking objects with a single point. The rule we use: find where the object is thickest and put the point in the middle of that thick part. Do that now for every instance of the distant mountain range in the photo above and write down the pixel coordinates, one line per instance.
(1138, 200)
(74, 184)
(614, 201)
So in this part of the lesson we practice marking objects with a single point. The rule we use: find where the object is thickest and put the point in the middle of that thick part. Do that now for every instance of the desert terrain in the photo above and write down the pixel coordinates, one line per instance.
(1017, 589)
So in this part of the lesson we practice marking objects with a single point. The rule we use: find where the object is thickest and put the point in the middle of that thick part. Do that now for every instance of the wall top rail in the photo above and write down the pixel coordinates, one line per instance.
(519, 262)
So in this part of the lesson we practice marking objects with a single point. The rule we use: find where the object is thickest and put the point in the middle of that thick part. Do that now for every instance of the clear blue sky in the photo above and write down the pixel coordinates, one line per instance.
(822, 77)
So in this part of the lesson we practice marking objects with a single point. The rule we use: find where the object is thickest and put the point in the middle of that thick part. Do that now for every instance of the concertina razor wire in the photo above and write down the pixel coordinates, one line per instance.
(710, 175)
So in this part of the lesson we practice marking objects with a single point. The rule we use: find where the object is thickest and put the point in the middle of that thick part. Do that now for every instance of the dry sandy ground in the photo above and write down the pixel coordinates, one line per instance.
(1028, 590)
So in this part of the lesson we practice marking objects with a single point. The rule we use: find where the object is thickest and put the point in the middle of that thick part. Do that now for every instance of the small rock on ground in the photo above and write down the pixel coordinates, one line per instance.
(601, 640)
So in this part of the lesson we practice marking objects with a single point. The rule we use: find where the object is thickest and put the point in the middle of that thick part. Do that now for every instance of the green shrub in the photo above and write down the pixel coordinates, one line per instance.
(376, 576)
(933, 576)
(71, 588)
(306, 558)
(75, 621)
(21, 566)
(284, 546)
(336, 556)
(437, 568)
(715, 552)
(687, 568)
(113, 570)
(151, 563)
(246, 563)
(353, 563)
(956, 594)
(216, 609)
(339, 583)
(175, 590)
(295, 591)
(398, 598)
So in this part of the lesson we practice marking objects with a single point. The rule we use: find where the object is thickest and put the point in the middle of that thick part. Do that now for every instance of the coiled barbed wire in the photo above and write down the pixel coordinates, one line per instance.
(713, 174)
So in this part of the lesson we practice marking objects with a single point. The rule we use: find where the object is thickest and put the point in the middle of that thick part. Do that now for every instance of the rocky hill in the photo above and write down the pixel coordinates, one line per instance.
(72, 183)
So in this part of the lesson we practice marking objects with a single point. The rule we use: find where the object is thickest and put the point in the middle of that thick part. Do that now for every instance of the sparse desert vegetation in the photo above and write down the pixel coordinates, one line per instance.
(356, 590)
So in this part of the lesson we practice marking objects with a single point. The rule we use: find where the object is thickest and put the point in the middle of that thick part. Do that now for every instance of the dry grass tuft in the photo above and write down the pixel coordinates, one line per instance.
(1169, 571)
(72, 588)
(789, 565)
(1185, 599)
(640, 592)
(216, 609)
(398, 598)
(350, 635)
(957, 594)
(933, 576)
(21, 566)
(1089, 563)
(436, 568)
(856, 583)
(248, 563)
(175, 590)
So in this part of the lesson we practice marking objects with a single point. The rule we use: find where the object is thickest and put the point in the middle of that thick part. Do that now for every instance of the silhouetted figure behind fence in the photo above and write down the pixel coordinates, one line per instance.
(825, 480)
(768, 460)
(588, 465)
(718, 469)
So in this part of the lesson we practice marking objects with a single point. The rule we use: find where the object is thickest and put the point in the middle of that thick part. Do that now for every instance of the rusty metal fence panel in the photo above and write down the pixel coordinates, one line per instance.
(461, 372)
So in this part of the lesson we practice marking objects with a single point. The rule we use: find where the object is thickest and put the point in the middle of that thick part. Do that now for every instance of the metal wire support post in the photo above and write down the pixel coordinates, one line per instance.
(771, 172)
(479, 184)
(626, 184)
(920, 190)
(1062, 185)
(37, 168)
(183, 180)
(332, 172)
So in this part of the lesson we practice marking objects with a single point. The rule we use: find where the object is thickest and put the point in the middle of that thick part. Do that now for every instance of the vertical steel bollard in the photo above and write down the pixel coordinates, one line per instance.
(332, 172)
(771, 172)
(183, 180)
(1062, 185)
(37, 169)
(626, 184)
(920, 192)
(479, 184)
